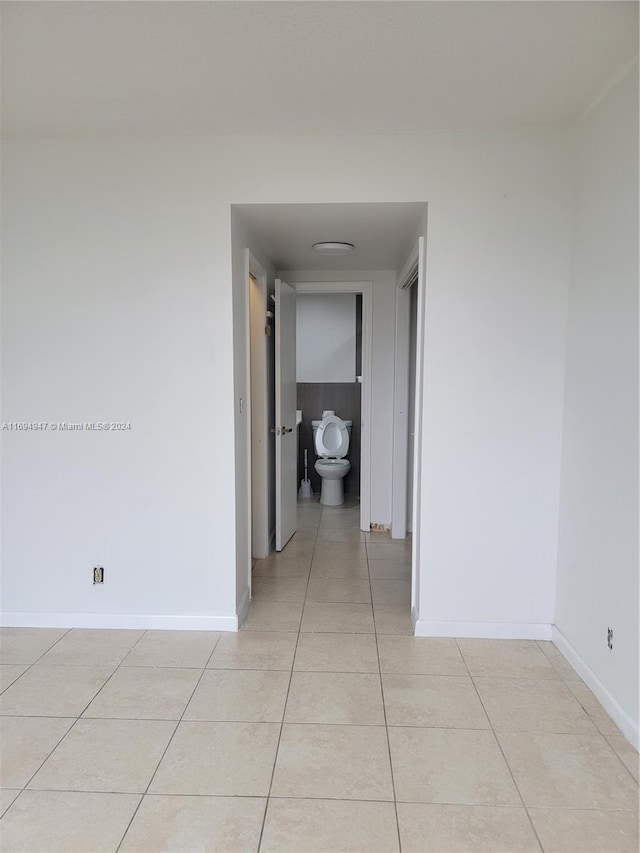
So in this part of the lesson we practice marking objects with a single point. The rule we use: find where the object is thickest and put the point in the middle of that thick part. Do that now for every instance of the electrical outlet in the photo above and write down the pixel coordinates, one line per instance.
(98, 574)
(610, 638)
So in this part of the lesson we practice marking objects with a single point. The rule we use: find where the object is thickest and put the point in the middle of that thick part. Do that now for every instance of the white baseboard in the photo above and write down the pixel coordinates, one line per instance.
(141, 621)
(620, 717)
(483, 630)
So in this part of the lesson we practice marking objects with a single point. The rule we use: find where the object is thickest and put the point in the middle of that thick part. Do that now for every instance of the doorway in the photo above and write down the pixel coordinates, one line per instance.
(282, 237)
(346, 398)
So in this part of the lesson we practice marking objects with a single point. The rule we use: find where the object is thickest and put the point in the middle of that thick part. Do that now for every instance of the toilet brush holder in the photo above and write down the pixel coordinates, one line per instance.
(305, 490)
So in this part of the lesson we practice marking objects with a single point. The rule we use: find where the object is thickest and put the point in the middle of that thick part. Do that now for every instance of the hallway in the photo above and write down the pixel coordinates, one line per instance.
(333, 578)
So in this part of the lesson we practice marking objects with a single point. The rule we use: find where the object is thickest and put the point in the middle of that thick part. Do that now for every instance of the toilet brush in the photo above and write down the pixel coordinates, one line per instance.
(305, 490)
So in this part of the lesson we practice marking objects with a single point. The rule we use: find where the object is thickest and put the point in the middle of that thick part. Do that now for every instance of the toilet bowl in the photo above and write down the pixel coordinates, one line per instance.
(331, 440)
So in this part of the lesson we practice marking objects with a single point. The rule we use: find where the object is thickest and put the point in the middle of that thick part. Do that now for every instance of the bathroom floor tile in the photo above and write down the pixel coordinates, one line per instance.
(336, 653)
(70, 821)
(255, 650)
(319, 826)
(420, 656)
(568, 771)
(53, 691)
(447, 701)
(345, 698)
(106, 755)
(25, 743)
(145, 693)
(238, 695)
(221, 759)
(563, 830)
(92, 647)
(26, 645)
(273, 616)
(333, 762)
(332, 590)
(526, 705)
(173, 648)
(431, 828)
(337, 618)
(450, 766)
(196, 825)
(506, 659)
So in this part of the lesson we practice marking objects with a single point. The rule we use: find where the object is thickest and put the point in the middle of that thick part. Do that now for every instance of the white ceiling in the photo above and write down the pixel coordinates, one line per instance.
(334, 67)
(381, 233)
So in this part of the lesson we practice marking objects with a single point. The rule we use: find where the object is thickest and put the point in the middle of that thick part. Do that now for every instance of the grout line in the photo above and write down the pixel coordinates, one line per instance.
(452, 804)
(284, 710)
(504, 757)
(384, 711)
(170, 741)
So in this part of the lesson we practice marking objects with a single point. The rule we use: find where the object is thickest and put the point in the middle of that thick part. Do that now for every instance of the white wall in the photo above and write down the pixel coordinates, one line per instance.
(326, 337)
(118, 260)
(598, 551)
(111, 254)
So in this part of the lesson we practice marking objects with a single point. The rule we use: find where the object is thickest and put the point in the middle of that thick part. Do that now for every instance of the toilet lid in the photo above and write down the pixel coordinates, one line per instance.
(332, 438)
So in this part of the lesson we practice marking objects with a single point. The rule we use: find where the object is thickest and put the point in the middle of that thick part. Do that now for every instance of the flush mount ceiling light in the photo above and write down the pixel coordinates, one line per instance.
(333, 247)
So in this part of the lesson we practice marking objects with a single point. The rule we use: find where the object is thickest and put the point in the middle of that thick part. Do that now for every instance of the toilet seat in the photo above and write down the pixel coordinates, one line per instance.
(332, 438)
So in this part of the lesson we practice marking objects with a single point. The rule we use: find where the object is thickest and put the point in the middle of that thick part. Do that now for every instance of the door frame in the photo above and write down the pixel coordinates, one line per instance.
(257, 421)
(400, 409)
(366, 289)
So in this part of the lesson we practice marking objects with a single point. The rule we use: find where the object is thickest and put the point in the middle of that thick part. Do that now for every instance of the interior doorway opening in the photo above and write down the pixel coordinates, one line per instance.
(269, 230)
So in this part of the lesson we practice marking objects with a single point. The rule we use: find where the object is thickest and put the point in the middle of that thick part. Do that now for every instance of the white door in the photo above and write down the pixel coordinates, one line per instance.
(286, 400)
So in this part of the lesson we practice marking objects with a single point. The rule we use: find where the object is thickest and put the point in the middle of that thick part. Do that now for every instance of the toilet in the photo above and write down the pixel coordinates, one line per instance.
(331, 441)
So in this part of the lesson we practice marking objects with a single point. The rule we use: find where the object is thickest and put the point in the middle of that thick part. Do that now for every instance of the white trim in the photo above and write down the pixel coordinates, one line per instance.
(627, 725)
(366, 289)
(399, 519)
(142, 621)
(257, 455)
(243, 608)
(416, 527)
(483, 630)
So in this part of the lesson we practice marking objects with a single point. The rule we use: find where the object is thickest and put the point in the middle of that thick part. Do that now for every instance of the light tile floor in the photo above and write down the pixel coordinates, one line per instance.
(322, 726)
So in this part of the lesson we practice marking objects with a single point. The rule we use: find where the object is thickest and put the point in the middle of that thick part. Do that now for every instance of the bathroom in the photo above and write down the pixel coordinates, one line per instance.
(329, 372)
